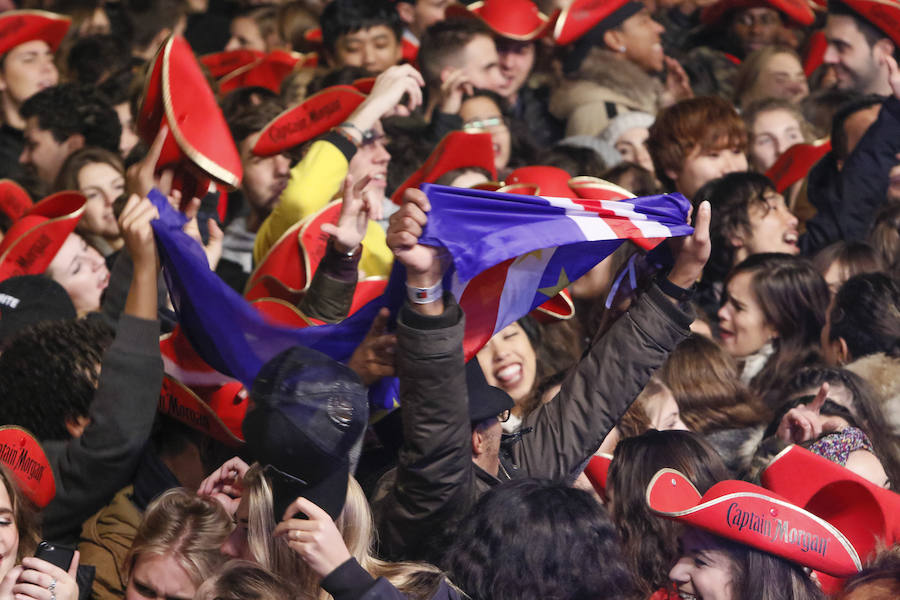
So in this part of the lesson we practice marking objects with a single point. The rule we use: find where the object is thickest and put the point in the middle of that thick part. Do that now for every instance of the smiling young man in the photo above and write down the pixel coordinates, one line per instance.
(28, 40)
(860, 34)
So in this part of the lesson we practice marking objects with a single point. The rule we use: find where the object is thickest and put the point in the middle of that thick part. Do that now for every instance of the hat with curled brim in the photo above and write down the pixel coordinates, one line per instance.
(308, 415)
(513, 19)
(756, 517)
(23, 456)
(219, 415)
(883, 14)
(457, 150)
(797, 12)
(583, 16)
(309, 119)
(20, 26)
(14, 200)
(33, 241)
(796, 162)
(198, 147)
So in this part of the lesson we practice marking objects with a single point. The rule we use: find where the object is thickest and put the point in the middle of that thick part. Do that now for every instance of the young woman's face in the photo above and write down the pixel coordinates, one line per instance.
(159, 577)
(663, 411)
(743, 328)
(773, 228)
(101, 184)
(81, 271)
(9, 533)
(705, 570)
(632, 145)
(236, 545)
(773, 132)
(509, 362)
(481, 114)
(781, 77)
(245, 35)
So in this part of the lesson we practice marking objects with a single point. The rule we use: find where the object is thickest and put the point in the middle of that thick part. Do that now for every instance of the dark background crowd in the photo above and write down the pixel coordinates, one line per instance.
(718, 419)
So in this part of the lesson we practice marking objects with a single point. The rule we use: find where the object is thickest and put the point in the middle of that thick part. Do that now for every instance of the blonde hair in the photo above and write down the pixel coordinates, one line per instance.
(189, 528)
(245, 580)
(357, 527)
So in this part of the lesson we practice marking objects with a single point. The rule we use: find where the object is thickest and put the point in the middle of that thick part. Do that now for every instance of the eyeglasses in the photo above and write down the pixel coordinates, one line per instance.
(484, 124)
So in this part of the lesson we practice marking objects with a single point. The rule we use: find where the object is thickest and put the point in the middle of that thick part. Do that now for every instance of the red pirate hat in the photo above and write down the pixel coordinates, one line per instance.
(513, 19)
(183, 404)
(199, 145)
(798, 12)
(883, 14)
(287, 269)
(24, 458)
(594, 188)
(457, 150)
(865, 512)
(816, 46)
(33, 240)
(583, 15)
(313, 117)
(20, 26)
(268, 72)
(550, 181)
(221, 64)
(597, 470)
(796, 162)
(14, 201)
(756, 517)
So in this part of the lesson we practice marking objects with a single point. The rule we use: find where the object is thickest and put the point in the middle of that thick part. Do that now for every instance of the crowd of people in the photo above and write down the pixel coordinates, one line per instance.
(713, 416)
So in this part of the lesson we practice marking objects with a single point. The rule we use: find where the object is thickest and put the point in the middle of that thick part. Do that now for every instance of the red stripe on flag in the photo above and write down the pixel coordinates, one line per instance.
(623, 227)
(481, 302)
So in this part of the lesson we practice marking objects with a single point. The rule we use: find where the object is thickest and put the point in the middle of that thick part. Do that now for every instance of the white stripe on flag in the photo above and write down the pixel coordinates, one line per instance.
(583, 216)
(650, 229)
(522, 279)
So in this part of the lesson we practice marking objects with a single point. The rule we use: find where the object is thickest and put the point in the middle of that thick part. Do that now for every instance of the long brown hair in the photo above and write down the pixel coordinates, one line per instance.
(651, 542)
(705, 382)
(793, 298)
(25, 516)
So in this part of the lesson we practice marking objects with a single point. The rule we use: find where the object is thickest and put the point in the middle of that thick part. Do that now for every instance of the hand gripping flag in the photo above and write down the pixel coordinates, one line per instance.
(510, 253)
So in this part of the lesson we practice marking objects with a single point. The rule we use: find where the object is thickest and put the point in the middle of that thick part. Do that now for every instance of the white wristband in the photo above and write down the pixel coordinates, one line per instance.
(427, 295)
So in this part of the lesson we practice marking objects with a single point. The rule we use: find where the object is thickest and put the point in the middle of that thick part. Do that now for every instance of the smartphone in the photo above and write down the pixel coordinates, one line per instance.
(55, 555)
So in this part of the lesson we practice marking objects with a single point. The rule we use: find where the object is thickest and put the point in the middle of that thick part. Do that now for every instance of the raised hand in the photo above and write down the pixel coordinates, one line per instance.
(213, 248)
(134, 224)
(316, 539)
(224, 484)
(141, 176)
(357, 208)
(804, 422)
(386, 94)
(691, 252)
(374, 357)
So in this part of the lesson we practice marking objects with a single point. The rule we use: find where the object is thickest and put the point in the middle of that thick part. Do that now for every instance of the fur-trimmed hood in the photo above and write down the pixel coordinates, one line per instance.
(603, 76)
(883, 374)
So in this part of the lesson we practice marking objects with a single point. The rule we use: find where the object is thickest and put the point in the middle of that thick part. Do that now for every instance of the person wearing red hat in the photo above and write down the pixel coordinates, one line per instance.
(860, 34)
(28, 40)
(355, 148)
(518, 26)
(612, 65)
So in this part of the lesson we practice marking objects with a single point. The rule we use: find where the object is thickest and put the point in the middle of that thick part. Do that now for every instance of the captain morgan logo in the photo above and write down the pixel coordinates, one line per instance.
(775, 530)
(17, 459)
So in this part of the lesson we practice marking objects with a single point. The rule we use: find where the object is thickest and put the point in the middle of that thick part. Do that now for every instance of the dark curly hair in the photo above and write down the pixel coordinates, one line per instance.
(72, 109)
(48, 375)
(533, 539)
(651, 543)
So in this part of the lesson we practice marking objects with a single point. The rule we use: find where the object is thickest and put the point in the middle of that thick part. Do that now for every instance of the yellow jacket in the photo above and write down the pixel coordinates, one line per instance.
(314, 182)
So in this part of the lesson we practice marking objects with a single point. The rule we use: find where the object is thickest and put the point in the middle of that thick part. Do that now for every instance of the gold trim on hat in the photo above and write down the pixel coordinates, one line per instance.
(208, 409)
(839, 536)
(528, 37)
(75, 214)
(595, 183)
(212, 168)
